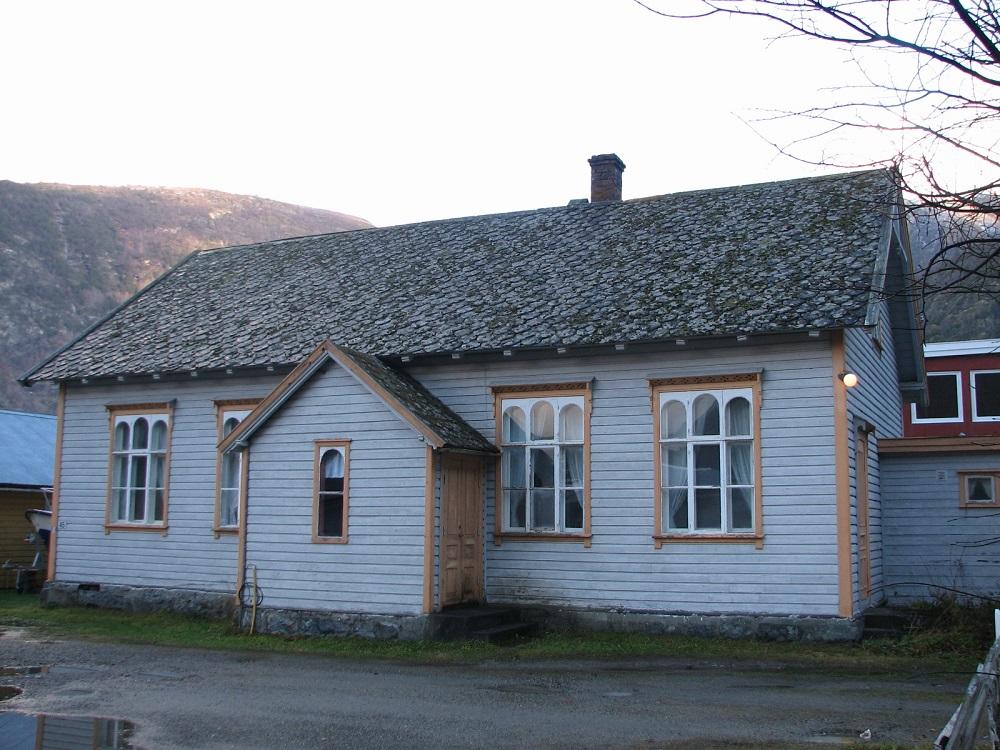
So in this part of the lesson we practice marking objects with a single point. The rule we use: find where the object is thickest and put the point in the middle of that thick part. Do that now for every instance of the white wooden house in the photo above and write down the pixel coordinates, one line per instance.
(622, 413)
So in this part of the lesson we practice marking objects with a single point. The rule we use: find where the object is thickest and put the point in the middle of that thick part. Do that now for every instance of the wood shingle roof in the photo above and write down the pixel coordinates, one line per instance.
(767, 258)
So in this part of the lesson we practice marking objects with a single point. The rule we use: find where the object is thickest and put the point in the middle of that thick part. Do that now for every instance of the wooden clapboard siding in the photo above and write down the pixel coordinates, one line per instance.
(794, 573)
(928, 538)
(876, 400)
(380, 569)
(188, 555)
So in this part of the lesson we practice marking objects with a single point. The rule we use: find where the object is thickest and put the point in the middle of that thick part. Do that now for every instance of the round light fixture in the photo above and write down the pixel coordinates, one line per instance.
(849, 379)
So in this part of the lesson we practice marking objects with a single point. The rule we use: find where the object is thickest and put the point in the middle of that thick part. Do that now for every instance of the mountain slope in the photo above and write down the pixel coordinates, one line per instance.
(69, 254)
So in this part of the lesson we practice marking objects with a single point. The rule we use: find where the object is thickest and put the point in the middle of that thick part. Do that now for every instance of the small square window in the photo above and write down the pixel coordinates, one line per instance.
(986, 396)
(979, 488)
(944, 399)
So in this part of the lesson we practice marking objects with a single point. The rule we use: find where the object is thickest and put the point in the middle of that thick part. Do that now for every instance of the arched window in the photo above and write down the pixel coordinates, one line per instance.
(543, 476)
(138, 491)
(330, 508)
(230, 481)
(707, 474)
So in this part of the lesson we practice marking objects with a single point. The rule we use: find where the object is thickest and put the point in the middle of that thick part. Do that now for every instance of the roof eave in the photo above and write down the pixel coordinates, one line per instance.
(28, 378)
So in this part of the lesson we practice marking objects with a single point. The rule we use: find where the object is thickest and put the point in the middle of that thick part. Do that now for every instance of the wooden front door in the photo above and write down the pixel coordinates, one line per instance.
(461, 529)
(864, 541)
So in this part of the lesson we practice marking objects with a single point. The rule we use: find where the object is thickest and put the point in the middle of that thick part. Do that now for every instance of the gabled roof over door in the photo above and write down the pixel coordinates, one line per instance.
(409, 400)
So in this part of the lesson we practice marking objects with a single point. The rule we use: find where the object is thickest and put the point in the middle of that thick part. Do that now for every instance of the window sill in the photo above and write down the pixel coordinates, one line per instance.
(226, 531)
(329, 539)
(515, 536)
(757, 540)
(158, 528)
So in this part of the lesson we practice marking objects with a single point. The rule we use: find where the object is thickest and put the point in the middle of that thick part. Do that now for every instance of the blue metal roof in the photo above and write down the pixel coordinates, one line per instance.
(27, 448)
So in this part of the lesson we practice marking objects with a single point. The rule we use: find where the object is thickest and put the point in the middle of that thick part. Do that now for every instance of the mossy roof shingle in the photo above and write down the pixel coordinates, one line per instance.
(772, 257)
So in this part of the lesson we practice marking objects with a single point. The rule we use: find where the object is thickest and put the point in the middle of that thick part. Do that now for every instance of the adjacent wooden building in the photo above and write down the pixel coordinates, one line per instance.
(942, 505)
(27, 455)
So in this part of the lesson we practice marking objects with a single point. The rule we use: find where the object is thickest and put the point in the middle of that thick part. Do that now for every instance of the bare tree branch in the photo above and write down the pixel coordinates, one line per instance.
(939, 102)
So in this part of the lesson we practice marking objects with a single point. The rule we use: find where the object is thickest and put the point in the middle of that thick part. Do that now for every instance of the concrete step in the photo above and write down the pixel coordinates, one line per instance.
(462, 622)
(507, 633)
(883, 622)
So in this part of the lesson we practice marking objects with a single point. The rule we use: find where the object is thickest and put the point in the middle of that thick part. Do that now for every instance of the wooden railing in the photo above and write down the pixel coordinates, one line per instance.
(977, 715)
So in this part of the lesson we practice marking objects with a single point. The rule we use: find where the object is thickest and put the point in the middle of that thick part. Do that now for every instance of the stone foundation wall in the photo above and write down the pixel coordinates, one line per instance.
(211, 604)
(764, 627)
(416, 627)
(315, 622)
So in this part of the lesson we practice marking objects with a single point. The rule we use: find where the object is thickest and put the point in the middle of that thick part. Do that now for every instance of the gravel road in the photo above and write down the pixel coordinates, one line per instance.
(182, 698)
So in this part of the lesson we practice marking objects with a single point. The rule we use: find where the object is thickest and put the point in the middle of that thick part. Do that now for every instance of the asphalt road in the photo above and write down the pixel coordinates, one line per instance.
(180, 698)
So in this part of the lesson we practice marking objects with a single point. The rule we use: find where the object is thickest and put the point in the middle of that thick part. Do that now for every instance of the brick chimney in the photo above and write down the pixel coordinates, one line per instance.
(605, 178)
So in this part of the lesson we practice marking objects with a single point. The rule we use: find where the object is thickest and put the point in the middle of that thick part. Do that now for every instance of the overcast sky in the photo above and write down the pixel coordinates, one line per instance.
(393, 111)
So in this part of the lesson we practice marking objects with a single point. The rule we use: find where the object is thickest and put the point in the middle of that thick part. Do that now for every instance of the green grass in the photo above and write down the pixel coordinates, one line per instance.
(167, 629)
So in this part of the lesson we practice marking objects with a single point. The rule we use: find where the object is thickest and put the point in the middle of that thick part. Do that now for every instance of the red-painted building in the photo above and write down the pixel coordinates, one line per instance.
(963, 388)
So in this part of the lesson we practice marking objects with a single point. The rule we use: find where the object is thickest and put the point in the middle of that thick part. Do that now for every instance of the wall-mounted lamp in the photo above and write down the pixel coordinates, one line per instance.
(849, 379)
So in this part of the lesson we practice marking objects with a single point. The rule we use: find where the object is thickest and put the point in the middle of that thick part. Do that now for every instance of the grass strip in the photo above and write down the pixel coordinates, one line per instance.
(169, 629)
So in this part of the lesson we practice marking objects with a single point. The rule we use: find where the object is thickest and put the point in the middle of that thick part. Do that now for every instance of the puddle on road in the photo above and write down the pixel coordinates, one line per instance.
(34, 731)
(21, 731)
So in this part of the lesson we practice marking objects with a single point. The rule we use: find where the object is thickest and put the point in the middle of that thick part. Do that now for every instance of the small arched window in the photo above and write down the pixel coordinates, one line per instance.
(514, 427)
(571, 424)
(230, 481)
(543, 421)
(738, 417)
(330, 510)
(705, 415)
(673, 421)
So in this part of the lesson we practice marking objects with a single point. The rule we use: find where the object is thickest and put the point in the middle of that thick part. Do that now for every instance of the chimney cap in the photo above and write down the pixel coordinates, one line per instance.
(602, 158)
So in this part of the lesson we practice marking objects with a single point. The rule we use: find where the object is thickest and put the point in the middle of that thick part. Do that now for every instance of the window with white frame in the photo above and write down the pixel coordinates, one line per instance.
(979, 488)
(985, 395)
(542, 464)
(707, 461)
(944, 400)
(330, 501)
(139, 468)
(230, 469)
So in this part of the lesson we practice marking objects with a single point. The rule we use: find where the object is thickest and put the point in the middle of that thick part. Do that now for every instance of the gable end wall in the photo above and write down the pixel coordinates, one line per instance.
(380, 569)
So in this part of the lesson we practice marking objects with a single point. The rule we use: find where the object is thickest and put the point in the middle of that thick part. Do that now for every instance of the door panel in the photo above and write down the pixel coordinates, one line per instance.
(461, 529)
